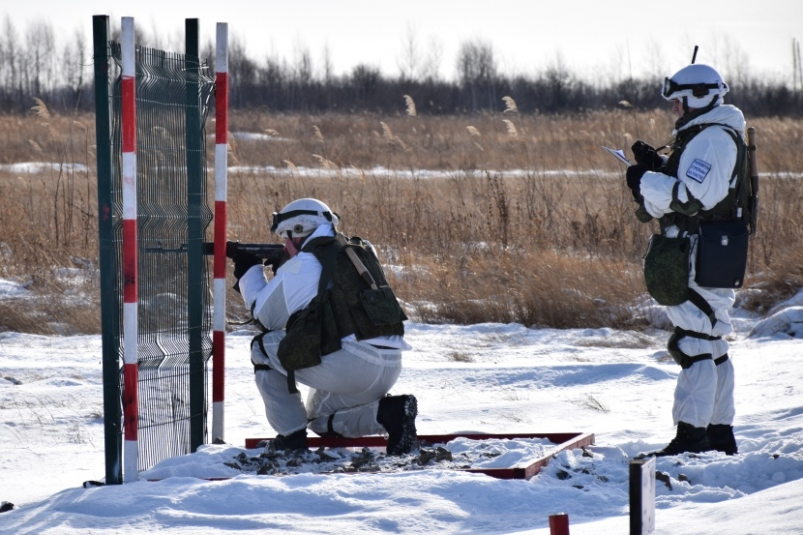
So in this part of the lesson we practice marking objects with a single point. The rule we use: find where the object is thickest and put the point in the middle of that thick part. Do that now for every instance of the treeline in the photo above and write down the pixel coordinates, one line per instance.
(552, 92)
(33, 66)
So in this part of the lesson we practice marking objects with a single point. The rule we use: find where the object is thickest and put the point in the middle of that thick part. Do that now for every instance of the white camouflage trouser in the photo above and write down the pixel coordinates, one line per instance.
(347, 384)
(704, 391)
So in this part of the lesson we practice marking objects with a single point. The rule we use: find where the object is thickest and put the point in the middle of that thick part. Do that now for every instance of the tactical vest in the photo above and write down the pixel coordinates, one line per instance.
(348, 289)
(348, 306)
(687, 216)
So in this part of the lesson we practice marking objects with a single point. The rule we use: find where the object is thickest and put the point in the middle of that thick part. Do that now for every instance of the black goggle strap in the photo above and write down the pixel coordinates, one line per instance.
(279, 217)
(698, 90)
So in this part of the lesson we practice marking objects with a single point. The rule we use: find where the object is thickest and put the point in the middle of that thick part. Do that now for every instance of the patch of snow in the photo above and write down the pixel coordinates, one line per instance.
(32, 168)
(10, 288)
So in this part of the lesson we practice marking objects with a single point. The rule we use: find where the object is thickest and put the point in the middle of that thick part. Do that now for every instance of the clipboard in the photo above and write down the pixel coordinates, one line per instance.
(619, 155)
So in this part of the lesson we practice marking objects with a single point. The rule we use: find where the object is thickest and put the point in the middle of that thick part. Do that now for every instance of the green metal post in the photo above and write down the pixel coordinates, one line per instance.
(110, 337)
(195, 272)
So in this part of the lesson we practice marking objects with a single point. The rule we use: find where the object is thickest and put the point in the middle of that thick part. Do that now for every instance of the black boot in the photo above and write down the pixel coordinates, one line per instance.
(720, 438)
(689, 439)
(397, 415)
(294, 441)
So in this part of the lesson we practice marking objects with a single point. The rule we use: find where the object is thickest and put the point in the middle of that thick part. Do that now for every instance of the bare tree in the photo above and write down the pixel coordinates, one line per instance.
(41, 61)
(431, 68)
(654, 61)
(477, 72)
(242, 72)
(365, 80)
(559, 83)
(795, 63)
(409, 61)
(728, 58)
(9, 67)
(302, 63)
(327, 68)
(73, 61)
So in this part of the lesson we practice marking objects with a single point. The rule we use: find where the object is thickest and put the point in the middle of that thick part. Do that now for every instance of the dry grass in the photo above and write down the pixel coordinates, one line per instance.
(553, 244)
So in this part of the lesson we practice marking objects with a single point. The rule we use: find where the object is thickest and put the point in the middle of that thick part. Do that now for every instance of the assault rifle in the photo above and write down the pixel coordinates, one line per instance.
(271, 253)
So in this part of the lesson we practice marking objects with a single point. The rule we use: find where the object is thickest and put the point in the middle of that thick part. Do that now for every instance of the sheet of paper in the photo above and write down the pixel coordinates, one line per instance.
(619, 155)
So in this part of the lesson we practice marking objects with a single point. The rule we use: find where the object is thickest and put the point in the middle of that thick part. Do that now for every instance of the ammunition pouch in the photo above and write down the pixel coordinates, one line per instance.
(721, 254)
(309, 335)
(666, 269)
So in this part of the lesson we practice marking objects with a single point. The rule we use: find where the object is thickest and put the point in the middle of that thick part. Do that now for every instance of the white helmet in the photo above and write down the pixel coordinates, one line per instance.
(697, 85)
(301, 217)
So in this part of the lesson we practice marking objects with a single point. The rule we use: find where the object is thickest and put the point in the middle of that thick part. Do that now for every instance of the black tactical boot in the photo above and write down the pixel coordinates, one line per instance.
(397, 415)
(294, 441)
(689, 439)
(720, 438)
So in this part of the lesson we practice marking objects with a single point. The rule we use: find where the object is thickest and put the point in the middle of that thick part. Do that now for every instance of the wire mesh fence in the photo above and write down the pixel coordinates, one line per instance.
(174, 317)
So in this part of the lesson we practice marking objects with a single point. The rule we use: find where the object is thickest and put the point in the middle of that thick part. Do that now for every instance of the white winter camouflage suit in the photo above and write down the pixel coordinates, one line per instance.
(704, 391)
(348, 383)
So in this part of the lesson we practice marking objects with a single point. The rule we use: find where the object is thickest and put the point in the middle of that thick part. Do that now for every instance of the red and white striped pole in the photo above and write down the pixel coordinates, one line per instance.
(219, 289)
(130, 325)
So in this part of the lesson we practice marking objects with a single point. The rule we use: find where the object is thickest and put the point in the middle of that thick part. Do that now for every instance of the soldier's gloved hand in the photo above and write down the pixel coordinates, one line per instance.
(646, 155)
(243, 261)
(642, 214)
(633, 176)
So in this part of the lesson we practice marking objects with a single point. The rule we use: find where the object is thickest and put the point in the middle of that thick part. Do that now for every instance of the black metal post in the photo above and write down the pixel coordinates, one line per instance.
(112, 409)
(195, 264)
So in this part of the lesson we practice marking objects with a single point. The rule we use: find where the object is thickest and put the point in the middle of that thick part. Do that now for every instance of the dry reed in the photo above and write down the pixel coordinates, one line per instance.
(535, 227)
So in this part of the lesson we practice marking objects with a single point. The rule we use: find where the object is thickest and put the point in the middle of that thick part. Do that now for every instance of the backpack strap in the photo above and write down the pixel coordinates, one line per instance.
(700, 302)
(361, 269)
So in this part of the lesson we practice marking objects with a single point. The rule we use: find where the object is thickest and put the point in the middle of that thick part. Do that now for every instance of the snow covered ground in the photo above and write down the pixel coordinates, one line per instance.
(490, 378)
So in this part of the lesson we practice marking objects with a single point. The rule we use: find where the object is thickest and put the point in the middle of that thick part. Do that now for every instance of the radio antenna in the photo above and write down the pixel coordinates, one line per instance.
(694, 56)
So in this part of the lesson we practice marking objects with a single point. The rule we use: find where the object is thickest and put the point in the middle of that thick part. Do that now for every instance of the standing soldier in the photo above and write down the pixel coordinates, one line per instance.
(701, 182)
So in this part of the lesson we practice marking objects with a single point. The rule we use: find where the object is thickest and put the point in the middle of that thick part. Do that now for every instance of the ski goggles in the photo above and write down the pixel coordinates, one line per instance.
(278, 217)
(697, 90)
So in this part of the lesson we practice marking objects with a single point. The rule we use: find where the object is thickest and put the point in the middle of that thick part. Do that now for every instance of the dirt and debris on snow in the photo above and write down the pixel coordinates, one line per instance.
(459, 454)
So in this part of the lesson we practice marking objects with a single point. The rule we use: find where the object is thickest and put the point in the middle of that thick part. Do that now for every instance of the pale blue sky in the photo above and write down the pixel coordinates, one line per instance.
(590, 37)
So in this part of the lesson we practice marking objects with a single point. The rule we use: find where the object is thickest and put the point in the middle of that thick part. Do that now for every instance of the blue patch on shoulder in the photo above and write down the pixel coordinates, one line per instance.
(698, 170)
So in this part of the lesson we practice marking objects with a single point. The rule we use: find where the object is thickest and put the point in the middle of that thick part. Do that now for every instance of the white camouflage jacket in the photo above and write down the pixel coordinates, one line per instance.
(705, 168)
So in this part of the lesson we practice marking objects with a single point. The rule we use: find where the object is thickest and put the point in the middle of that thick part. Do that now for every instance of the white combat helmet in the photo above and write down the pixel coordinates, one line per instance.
(697, 85)
(301, 217)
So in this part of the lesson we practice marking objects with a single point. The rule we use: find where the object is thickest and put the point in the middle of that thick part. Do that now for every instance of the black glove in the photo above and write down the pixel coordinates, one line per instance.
(646, 155)
(642, 214)
(633, 175)
(243, 261)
